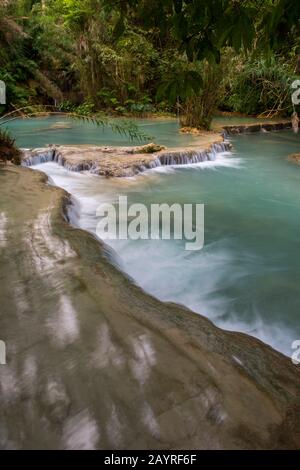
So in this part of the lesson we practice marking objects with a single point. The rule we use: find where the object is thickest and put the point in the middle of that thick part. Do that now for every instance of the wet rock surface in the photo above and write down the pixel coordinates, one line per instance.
(260, 127)
(124, 161)
(94, 362)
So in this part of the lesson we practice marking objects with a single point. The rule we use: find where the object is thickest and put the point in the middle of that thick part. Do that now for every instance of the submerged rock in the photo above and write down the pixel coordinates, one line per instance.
(294, 158)
(61, 125)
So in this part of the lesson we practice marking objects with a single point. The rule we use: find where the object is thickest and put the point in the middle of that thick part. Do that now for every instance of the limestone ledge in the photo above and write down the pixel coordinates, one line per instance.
(125, 161)
(259, 127)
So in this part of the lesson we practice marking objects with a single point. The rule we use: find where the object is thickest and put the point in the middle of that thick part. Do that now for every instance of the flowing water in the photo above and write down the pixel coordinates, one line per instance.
(247, 276)
(83, 344)
(90, 357)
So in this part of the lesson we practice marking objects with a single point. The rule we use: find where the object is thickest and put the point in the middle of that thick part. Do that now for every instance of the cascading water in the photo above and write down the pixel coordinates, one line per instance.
(247, 276)
(168, 158)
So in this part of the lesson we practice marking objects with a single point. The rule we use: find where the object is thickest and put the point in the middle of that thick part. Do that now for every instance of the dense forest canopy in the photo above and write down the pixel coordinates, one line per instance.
(135, 57)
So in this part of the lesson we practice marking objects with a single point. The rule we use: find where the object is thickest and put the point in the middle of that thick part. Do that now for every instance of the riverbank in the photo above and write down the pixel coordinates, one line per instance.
(242, 125)
(84, 344)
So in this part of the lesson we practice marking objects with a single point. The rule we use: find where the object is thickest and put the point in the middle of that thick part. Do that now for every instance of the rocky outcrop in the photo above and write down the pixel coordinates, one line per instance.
(122, 161)
(260, 127)
(148, 148)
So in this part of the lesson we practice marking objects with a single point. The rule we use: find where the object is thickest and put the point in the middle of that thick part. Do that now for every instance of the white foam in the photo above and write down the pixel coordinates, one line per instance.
(171, 273)
(223, 160)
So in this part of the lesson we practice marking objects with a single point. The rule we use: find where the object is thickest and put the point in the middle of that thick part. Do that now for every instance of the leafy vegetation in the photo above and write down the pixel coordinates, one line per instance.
(261, 86)
(135, 57)
(8, 150)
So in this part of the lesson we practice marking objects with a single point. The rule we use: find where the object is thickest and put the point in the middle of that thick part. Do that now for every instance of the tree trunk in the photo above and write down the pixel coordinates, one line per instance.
(198, 111)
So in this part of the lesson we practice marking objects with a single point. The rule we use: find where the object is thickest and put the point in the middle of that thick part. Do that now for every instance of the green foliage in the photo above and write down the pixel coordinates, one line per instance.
(84, 109)
(260, 85)
(202, 28)
(135, 57)
(8, 149)
(182, 84)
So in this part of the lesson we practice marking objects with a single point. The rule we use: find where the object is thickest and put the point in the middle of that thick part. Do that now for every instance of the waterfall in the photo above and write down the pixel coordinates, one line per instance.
(164, 158)
(188, 157)
(37, 156)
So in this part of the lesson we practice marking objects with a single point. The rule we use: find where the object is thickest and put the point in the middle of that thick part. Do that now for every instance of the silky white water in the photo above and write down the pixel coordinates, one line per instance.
(247, 276)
